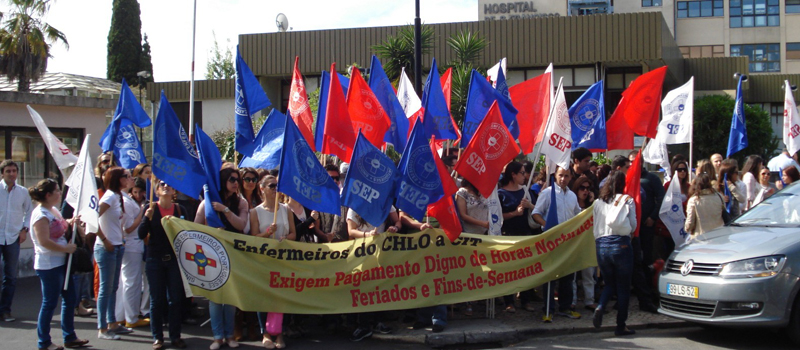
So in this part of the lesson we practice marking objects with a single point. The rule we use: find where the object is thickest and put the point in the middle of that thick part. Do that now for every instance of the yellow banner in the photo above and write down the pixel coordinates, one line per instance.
(385, 272)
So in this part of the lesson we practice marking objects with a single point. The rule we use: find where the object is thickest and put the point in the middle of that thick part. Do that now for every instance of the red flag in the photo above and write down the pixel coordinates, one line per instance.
(618, 133)
(339, 138)
(448, 184)
(532, 100)
(447, 85)
(444, 210)
(643, 103)
(365, 111)
(298, 105)
(633, 187)
(490, 149)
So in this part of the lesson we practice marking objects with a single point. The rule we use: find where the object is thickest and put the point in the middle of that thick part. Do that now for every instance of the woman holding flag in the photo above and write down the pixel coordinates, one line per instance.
(233, 213)
(48, 230)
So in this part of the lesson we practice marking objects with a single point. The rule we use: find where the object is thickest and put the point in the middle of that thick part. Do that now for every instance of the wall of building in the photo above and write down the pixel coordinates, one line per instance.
(667, 8)
(700, 31)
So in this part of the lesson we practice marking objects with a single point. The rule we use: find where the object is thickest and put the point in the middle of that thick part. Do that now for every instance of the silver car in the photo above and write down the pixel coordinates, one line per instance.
(743, 274)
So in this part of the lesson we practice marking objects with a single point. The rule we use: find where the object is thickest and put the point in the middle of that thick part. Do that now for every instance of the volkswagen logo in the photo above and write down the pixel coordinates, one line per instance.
(687, 267)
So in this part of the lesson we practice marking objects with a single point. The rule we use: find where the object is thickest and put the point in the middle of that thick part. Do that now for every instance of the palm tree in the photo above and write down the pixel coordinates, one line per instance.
(398, 51)
(468, 48)
(25, 42)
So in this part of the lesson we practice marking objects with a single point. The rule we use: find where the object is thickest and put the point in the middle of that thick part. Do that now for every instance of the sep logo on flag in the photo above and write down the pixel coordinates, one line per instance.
(370, 167)
(588, 110)
(562, 117)
(203, 258)
(494, 141)
(188, 144)
(676, 107)
(421, 172)
(305, 163)
(126, 138)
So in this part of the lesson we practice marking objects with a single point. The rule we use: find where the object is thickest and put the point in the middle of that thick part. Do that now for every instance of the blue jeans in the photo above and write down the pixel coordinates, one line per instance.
(83, 284)
(109, 264)
(434, 314)
(52, 281)
(615, 259)
(10, 256)
(564, 293)
(221, 319)
(166, 296)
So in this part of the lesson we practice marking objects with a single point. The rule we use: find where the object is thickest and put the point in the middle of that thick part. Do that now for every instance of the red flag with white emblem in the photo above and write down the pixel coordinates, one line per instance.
(298, 105)
(365, 111)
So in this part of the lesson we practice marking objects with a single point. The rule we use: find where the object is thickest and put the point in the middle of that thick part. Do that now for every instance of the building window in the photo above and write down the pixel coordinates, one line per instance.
(651, 3)
(776, 112)
(763, 57)
(26, 147)
(792, 6)
(755, 13)
(793, 51)
(704, 8)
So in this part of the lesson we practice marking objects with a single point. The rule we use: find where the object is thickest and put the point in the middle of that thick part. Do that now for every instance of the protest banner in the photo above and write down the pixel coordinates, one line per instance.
(384, 272)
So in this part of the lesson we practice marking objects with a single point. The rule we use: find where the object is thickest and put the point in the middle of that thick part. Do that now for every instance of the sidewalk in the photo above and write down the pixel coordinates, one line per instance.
(508, 328)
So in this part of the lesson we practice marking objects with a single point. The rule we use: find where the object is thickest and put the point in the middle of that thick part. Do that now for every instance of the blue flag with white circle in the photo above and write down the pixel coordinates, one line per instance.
(588, 118)
(420, 183)
(268, 143)
(369, 185)
(301, 175)
(175, 159)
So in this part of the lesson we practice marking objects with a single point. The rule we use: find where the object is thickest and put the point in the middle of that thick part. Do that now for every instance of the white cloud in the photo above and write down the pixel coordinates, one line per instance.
(168, 25)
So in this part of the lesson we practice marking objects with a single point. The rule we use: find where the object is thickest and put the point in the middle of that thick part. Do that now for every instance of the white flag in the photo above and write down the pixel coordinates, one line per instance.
(656, 153)
(791, 122)
(60, 152)
(82, 195)
(494, 71)
(671, 213)
(677, 109)
(406, 95)
(557, 142)
(495, 214)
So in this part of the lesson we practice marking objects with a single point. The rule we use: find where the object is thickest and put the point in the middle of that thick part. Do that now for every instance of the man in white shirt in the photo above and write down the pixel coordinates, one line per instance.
(15, 216)
(567, 207)
(782, 161)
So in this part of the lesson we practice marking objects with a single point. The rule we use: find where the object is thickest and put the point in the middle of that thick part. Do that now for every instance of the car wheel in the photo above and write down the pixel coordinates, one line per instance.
(793, 331)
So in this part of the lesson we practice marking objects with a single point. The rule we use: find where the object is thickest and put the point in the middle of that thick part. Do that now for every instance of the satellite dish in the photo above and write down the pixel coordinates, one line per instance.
(282, 22)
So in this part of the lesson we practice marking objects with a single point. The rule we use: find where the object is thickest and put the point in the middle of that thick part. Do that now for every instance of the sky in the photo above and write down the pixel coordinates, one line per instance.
(168, 25)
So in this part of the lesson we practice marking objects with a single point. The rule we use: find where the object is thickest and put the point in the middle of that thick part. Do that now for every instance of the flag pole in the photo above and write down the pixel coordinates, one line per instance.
(191, 79)
(275, 208)
(78, 211)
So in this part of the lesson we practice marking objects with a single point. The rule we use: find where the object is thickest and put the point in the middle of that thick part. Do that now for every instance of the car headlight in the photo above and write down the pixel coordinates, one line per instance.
(765, 266)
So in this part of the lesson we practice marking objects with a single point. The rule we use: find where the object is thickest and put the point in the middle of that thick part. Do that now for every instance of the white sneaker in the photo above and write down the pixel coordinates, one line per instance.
(233, 343)
(107, 336)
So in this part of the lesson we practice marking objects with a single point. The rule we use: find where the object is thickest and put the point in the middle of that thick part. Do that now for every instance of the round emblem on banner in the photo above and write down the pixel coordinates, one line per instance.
(187, 144)
(494, 141)
(676, 107)
(675, 208)
(204, 260)
(239, 105)
(371, 167)
(370, 104)
(299, 101)
(585, 114)
(562, 117)
(421, 172)
(126, 137)
(307, 164)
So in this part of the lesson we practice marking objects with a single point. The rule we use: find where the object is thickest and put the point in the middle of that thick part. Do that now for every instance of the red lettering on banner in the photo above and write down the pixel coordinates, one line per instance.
(381, 296)
(559, 142)
(794, 131)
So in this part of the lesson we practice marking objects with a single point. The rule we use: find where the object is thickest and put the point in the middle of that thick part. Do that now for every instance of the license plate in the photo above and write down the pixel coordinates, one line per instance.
(682, 291)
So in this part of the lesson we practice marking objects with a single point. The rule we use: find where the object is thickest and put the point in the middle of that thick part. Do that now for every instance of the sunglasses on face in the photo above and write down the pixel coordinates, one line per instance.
(764, 174)
(163, 185)
(250, 180)
(584, 188)
(105, 161)
(233, 179)
(682, 170)
(272, 186)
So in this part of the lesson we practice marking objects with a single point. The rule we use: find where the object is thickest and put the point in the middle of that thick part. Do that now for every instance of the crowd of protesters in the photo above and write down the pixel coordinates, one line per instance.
(137, 280)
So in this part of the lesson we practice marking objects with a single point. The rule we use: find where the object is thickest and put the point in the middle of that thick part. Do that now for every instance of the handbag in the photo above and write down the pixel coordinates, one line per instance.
(617, 219)
(726, 216)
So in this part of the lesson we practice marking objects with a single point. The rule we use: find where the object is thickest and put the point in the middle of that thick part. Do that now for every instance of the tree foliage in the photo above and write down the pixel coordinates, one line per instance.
(398, 51)
(468, 48)
(146, 61)
(712, 124)
(124, 42)
(25, 42)
(220, 64)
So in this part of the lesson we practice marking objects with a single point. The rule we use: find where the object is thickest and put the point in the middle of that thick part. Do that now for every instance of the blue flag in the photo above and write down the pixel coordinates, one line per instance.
(737, 140)
(552, 213)
(345, 82)
(250, 98)
(302, 177)
(382, 88)
(211, 161)
(175, 159)
(268, 143)
(437, 119)
(120, 135)
(588, 118)
(727, 193)
(501, 85)
(369, 186)
(322, 106)
(420, 183)
(480, 97)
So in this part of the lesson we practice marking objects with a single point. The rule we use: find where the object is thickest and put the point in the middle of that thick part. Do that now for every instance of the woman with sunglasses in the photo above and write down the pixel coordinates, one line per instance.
(582, 186)
(751, 177)
(766, 188)
(108, 251)
(261, 225)
(233, 212)
(48, 231)
(161, 267)
(248, 187)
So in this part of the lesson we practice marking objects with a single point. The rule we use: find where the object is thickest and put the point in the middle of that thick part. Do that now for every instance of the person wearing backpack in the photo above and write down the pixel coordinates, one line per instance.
(614, 221)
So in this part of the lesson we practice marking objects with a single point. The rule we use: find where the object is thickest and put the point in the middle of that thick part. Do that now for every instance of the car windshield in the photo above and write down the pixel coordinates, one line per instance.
(780, 210)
